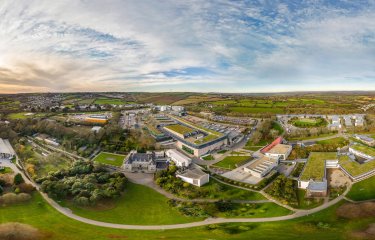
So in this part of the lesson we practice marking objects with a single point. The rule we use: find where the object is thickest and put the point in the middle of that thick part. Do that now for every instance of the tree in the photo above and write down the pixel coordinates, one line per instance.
(18, 179)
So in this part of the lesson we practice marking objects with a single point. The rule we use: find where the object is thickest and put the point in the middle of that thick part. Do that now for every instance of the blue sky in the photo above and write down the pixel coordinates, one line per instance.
(224, 46)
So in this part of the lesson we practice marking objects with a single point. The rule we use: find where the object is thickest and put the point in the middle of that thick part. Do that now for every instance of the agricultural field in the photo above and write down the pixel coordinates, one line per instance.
(231, 162)
(86, 101)
(110, 158)
(112, 101)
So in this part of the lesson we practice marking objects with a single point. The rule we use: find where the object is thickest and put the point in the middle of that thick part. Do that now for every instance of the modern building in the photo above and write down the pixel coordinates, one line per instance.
(97, 119)
(279, 151)
(335, 123)
(195, 140)
(143, 162)
(261, 166)
(194, 176)
(6, 150)
(362, 151)
(178, 158)
(366, 140)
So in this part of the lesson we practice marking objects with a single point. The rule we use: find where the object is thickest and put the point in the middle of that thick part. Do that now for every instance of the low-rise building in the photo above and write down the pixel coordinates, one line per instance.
(279, 151)
(6, 150)
(261, 166)
(366, 140)
(96, 129)
(362, 151)
(194, 176)
(142, 162)
(178, 158)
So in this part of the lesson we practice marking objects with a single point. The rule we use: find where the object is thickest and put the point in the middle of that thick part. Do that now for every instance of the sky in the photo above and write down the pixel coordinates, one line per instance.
(187, 45)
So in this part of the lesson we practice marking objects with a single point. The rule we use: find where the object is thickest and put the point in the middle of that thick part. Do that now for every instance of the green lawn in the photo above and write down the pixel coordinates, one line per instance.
(110, 158)
(6, 170)
(231, 161)
(363, 190)
(256, 211)
(208, 158)
(309, 122)
(313, 137)
(337, 140)
(58, 227)
(139, 205)
(218, 190)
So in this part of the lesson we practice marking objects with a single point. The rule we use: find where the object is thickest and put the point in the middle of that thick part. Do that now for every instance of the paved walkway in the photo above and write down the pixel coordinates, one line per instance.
(68, 213)
(147, 180)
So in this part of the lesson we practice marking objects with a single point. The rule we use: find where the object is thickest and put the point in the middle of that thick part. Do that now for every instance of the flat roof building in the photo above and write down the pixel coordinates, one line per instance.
(194, 176)
(6, 150)
(261, 166)
(279, 151)
(178, 158)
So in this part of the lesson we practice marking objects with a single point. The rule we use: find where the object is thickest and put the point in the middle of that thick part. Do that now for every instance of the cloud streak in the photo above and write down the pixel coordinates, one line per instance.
(229, 46)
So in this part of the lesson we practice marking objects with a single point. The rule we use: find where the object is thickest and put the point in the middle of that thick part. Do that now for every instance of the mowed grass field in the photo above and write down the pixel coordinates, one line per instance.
(364, 190)
(231, 162)
(139, 205)
(110, 158)
(21, 115)
(54, 225)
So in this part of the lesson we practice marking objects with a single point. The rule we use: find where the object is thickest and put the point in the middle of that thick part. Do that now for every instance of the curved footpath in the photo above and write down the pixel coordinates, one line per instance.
(68, 213)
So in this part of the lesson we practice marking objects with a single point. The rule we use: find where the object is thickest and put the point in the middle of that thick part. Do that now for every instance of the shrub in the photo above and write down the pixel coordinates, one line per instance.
(12, 198)
(18, 179)
(26, 187)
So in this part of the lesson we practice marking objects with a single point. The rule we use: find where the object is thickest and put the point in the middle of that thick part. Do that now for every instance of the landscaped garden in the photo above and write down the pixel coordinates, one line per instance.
(110, 159)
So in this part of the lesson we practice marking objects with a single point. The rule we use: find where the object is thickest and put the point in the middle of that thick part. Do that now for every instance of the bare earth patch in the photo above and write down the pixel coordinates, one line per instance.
(356, 210)
(18, 231)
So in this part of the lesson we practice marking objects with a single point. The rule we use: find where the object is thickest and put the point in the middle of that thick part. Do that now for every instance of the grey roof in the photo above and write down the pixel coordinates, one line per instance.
(140, 157)
(317, 186)
(193, 173)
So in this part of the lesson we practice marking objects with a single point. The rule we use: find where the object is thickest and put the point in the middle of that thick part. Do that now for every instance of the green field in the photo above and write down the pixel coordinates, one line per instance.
(21, 115)
(336, 140)
(364, 190)
(315, 166)
(110, 159)
(86, 101)
(309, 122)
(138, 205)
(231, 161)
(112, 101)
(58, 227)
(255, 110)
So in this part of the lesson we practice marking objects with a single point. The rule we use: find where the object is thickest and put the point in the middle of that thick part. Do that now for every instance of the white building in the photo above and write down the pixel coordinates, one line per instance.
(6, 150)
(280, 151)
(261, 167)
(96, 129)
(178, 158)
(366, 139)
(194, 176)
